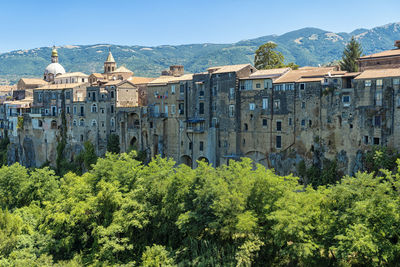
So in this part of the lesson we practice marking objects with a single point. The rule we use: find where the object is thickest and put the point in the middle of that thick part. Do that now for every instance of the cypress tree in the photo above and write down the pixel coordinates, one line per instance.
(351, 53)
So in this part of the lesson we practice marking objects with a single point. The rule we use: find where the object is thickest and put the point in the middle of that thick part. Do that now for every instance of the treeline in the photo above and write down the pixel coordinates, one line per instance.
(122, 212)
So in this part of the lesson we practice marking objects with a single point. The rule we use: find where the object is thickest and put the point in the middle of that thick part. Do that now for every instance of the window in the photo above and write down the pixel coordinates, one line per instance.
(267, 84)
(112, 122)
(40, 97)
(68, 111)
(376, 141)
(303, 122)
(201, 94)
(248, 85)
(53, 111)
(82, 111)
(201, 146)
(94, 96)
(173, 109)
(190, 145)
(181, 108)
(279, 126)
(367, 83)
(309, 123)
(264, 122)
(214, 91)
(346, 100)
(379, 83)
(231, 111)
(396, 81)
(289, 86)
(252, 106)
(182, 89)
(94, 123)
(258, 85)
(166, 110)
(81, 137)
(290, 121)
(378, 98)
(173, 89)
(302, 86)
(67, 95)
(74, 109)
(40, 123)
(89, 94)
(246, 127)
(398, 101)
(265, 103)
(112, 108)
(231, 93)
(303, 105)
(94, 108)
(278, 142)
(112, 94)
(201, 108)
(277, 104)
(81, 122)
(102, 110)
(377, 121)
(366, 139)
(278, 87)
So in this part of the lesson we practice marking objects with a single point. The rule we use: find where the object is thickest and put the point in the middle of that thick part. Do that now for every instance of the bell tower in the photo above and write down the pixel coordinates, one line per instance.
(54, 55)
(109, 64)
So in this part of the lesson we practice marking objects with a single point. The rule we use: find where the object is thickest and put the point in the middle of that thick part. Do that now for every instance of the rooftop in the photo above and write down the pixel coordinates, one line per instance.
(72, 74)
(269, 73)
(379, 73)
(60, 86)
(227, 68)
(305, 74)
(122, 69)
(387, 53)
(33, 81)
(170, 79)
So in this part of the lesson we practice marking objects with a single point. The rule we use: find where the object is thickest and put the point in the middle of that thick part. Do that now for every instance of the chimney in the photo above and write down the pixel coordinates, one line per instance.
(176, 70)
(397, 43)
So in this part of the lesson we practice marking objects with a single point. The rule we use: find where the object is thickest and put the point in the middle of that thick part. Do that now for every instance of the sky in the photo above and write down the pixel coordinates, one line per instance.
(34, 23)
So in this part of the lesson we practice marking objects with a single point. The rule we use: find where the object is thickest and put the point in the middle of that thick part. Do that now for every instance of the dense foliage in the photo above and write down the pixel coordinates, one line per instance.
(351, 53)
(123, 212)
(266, 57)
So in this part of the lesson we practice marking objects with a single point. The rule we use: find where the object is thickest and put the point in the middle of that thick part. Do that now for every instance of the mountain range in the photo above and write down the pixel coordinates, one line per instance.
(305, 47)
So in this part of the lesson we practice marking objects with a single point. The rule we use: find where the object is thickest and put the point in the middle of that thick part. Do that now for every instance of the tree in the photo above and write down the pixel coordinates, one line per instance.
(267, 58)
(113, 143)
(351, 53)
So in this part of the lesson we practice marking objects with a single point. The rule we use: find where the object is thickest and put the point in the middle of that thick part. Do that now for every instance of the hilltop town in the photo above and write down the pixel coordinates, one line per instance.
(276, 117)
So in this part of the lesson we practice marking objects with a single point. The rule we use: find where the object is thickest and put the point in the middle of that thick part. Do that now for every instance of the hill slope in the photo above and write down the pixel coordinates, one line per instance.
(308, 46)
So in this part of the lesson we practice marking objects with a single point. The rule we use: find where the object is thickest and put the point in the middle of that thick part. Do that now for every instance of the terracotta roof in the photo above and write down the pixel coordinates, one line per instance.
(97, 75)
(351, 74)
(227, 68)
(309, 79)
(269, 73)
(378, 73)
(72, 74)
(170, 79)
(387, 53)
(140, 80)
(122, 69)
(312, 73)
(60, 86)
(7, 88)
(33, 81)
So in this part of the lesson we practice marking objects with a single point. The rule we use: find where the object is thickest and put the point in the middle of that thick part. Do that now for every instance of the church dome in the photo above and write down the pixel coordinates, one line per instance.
(55, 69)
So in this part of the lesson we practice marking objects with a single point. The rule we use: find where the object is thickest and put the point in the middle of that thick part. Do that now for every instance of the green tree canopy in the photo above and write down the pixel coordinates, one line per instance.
(267, 57)
(351, 53)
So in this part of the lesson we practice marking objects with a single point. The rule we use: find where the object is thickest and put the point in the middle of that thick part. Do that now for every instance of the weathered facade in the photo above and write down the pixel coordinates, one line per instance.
(277, 117)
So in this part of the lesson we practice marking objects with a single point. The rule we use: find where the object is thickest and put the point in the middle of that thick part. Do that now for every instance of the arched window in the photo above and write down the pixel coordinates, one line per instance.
(81, 122)
(40, 123)
(74, 123)
(246, 127)
(94, 108)
(94, 123)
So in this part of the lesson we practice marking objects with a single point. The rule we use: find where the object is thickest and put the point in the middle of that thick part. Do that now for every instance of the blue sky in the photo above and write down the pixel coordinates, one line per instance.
(30, 24)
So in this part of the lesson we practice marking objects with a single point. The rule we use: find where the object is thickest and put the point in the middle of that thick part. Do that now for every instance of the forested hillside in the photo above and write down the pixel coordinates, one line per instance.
(124, 213)
(308, 46)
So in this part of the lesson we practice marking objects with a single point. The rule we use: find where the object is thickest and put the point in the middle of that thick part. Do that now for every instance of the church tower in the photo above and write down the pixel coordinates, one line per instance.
(109, 64)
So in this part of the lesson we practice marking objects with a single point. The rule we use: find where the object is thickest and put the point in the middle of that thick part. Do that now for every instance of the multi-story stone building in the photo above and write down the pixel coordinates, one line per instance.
(277, 117)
